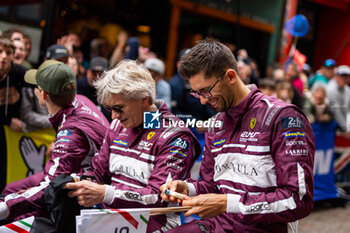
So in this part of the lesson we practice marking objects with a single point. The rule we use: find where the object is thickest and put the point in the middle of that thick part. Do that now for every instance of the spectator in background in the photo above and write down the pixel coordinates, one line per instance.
(11, 83)
(292, 75)
(28, 47)
(73, 63)
(20, 52)
(338, 94)
(285, 91)
(85, 86)
(100, 47)
(268, 86)
(57, 52)
(325, 73)
(14, 34)
(316, 104)
(182, 102)
(163, 91)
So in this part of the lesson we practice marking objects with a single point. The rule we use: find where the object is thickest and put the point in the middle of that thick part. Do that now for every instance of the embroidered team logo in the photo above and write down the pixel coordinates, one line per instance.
(252, 123)
(150, 135)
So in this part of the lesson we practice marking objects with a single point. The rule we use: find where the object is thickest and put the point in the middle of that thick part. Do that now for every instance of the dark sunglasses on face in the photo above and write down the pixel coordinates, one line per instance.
(206, 94)
(118, 110)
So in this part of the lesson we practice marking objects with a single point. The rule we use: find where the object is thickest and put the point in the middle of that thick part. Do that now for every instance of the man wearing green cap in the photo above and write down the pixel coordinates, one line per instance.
(80, 130)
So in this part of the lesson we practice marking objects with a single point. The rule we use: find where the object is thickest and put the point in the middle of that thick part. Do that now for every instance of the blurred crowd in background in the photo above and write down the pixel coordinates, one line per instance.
(322, 94)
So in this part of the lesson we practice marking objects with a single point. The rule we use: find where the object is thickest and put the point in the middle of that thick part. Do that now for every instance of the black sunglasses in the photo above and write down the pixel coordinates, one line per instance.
(117, 110)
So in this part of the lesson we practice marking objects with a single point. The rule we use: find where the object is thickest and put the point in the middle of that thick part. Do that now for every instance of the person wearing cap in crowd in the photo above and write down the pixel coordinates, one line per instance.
(80, 131)
(11, 83)
(135, 160)
(338, 93)
(85, 86)
(57, 52)
(32, 113)
(163, 91)
(324, 74)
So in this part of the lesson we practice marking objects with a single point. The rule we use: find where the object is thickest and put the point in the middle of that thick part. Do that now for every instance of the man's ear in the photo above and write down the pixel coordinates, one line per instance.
(231, 75)
(44, 95)
(146, 102)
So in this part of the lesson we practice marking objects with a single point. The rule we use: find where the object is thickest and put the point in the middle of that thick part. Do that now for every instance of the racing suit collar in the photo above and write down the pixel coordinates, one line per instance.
(57, 119)
(243, 106)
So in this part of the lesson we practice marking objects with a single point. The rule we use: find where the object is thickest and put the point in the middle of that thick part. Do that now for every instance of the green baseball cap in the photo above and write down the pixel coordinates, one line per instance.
(52, 76)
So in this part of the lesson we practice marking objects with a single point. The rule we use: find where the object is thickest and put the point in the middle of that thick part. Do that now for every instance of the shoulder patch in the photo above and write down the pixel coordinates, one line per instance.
(182, 143)
(292, 122)
(294, 134)
(219, 142)
(64, 133)
(179, 152)
(62, 140)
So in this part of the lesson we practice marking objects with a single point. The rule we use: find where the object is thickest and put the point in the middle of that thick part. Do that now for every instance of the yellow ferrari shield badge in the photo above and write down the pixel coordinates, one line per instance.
(150, 135)
(252, 123)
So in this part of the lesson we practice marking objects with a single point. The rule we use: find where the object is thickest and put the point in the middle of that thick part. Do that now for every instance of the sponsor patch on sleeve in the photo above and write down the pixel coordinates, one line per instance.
(62, 140)
(179, 152)
(294, 134)
(64, 133)
(292, 122)
(182, 143)
(219, 142)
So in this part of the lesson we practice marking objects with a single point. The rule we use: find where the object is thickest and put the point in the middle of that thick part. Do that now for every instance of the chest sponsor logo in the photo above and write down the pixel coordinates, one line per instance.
(295, 143)
(120, 142)
(237, 168)
(252, 123)
(258, 207)
(182, 143)
(297, 152)
(150, 135)
(179, 152)
(294, 134)
(62, 140)
(249, 136)
(292, 122)
(219, 142)
(144, 145)
(129, 171)
(64, 133)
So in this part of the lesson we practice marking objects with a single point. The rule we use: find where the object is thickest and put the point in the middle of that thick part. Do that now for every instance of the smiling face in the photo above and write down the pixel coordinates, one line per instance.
(6, 56)
(222, 99)
(128, 112)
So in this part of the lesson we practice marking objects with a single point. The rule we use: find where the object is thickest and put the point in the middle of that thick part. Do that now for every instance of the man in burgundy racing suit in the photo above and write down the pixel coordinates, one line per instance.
(257, 170)
(80, 128)
(137, 157)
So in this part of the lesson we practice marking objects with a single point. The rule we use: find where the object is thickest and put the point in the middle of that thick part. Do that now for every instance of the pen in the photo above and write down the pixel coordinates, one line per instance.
(174, 194)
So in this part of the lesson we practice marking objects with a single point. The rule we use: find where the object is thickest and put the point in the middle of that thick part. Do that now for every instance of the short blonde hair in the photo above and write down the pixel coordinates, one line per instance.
(128, 78)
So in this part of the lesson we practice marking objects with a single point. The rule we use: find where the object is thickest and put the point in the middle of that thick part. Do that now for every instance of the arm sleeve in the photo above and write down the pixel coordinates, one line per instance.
(171, 163)
(100, 162)
(69, 153)
(206, 184)
(292, 150)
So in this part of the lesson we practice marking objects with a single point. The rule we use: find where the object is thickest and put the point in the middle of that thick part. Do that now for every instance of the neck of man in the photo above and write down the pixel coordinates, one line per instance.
(241, 91)
(52, 108)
